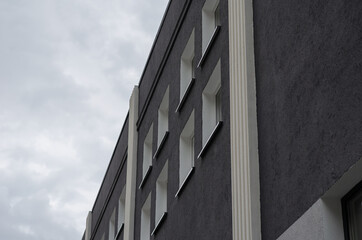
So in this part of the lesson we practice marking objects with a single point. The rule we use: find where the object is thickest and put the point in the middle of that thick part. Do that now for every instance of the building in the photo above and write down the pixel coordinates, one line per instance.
(246, 124)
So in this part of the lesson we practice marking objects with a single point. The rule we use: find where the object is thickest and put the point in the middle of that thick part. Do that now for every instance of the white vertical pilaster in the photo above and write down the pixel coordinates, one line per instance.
(131, 166)
(88, 227)
(243, 123)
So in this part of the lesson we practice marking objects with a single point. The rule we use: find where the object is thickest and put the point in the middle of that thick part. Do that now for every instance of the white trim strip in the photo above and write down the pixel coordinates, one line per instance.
(131, 166)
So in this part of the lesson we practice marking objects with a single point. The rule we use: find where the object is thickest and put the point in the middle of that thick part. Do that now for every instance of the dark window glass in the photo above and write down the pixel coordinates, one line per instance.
(352, 213)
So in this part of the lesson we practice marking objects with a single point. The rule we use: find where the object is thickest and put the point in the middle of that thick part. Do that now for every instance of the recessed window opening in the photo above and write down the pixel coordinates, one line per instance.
(192, 149)
(147, 151)
(121, 208)
(193, 67)
(146, 219)
(112, 226)
(217, 16)
(210, 20)
(187, 69)
(187, 148)
(352, 211)
(161, 194)
(218, 106)
(211, 104)
(163, 117)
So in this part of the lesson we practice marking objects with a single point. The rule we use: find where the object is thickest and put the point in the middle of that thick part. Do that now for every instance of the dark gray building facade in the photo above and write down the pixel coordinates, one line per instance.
(246, 124)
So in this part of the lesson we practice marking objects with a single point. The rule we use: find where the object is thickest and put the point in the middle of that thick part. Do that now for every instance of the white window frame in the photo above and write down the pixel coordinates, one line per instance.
(186, 152)
(146, 219)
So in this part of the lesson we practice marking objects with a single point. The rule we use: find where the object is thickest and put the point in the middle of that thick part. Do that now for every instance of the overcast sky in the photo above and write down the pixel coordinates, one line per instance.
(67, 68)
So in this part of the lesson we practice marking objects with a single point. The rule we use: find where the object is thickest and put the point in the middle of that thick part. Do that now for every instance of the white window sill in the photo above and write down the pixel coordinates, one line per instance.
(145, 177)
(184, 96)
(208, 47)
(159, 223)
(209, 140)
(161, 144)
(186, 180)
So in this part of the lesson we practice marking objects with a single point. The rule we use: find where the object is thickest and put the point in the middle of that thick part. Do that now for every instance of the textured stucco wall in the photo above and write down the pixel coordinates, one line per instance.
(203, 210)
(308, 75)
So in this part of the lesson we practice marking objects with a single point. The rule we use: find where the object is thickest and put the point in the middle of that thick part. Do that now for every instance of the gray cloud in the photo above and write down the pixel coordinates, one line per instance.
(67, 71)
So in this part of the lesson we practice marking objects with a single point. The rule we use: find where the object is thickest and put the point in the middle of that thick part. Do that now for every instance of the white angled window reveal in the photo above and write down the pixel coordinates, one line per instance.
(163, 121)
(147, 155)
(210, 21)
(146, 219)
(112, 226)
(121, 209)
(211, 105)
(187, 152)
(161, 198)
(187, 68)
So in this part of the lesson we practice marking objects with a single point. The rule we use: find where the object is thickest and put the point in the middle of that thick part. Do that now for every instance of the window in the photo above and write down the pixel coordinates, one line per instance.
(121, 209)
(147, 156)
(162, 122)
(112, 226)
(211, 109)
(187, 142)
(193, 68)
(352, 213)
(217, 16)
(327, 217)
(218, 114)
(210, 22)
(146, 219)
(187, 69)
(161, 197)
(211, 105)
